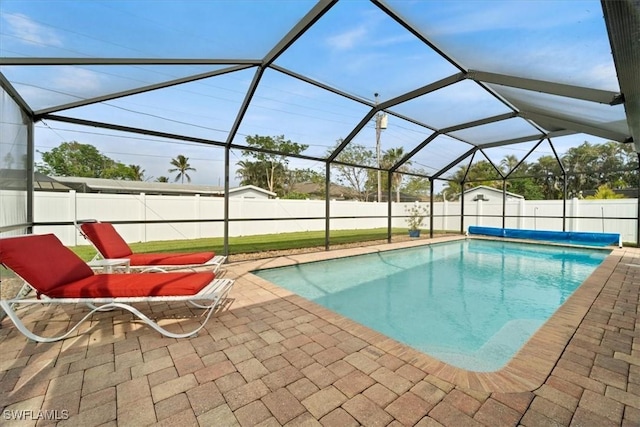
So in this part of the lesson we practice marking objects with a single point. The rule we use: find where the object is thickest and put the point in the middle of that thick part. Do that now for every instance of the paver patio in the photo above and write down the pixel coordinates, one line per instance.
(272, 358)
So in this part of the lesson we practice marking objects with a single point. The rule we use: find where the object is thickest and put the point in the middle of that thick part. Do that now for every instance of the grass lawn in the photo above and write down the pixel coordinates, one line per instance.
(248, 244)
(251, 244)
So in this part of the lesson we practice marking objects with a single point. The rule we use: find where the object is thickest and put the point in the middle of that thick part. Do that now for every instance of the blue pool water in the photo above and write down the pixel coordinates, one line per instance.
(470, 303)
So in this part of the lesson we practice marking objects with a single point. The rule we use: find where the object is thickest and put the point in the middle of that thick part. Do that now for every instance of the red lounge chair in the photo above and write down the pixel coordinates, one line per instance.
(60, 277)
(110, 245)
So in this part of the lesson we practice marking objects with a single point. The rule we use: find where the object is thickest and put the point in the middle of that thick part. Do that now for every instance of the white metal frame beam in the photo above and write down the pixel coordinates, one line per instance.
(576, 92)
(623, 25)
(563, 123)
(142, 89)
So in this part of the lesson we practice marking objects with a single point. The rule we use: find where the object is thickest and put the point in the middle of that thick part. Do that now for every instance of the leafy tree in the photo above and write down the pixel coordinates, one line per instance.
(484, 173)
(581, 166)
(82, 160)
(547, 174)
(626, 176)
(255, 173)
(119, 171)
(518, 182)
(181, 165)
(304, 175)
(587, 167)
(299, 176)
(162, 179)
(617, 164)
(294, 195)
(353, 176)
(270, 162)
(8, 160)
(590, 165)
(418, 186)
(605, 192)
(527, 188)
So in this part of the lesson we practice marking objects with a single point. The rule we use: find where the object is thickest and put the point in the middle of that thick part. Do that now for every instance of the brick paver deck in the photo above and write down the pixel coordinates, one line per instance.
(272, 358)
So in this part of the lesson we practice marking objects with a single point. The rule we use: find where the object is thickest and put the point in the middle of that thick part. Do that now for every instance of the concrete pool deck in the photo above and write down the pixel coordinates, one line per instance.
(273, 358)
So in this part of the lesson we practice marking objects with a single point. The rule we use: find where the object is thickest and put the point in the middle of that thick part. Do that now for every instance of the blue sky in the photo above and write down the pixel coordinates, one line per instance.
(355, 48)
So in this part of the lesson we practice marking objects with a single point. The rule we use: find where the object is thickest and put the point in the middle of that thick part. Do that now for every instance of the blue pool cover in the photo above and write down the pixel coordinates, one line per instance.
(573, 237)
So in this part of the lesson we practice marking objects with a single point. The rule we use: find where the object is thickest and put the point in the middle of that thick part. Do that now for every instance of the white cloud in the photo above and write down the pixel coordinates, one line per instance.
(460, 18)
(368, 33)
(30, 32)
(76, 80)
(348, 39)
(394, 40)
(603, 75)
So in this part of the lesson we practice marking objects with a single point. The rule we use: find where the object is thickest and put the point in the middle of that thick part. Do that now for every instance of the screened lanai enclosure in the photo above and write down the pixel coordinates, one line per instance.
(384, 98)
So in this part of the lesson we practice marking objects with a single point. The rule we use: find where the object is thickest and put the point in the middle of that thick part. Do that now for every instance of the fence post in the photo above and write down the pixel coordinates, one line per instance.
(522, 205)
(196, 204)
(445, 212)
(240, 226)
(479, 212)
(143, 200)
(73, 208)
(575, 213)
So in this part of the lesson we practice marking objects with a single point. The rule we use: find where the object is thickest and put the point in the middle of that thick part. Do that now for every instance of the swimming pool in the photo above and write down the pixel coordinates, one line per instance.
(470, 303)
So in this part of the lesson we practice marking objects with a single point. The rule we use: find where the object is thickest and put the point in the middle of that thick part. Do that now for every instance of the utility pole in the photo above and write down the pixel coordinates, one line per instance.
(381, 124)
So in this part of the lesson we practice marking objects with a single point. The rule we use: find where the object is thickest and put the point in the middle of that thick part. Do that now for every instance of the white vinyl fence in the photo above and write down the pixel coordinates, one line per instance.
(203, 216)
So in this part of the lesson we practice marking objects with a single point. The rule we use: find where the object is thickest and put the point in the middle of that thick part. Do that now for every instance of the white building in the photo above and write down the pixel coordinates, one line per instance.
(484, 193)
(118, 186)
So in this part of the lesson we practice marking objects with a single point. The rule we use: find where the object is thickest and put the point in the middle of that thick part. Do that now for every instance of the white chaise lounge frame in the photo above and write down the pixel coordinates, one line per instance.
(215, 263)
(214, 294)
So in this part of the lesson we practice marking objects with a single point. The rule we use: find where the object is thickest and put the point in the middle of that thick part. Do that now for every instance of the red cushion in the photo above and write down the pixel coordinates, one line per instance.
(106, 239)
(43, 261)
(170, 258)
(134, 285)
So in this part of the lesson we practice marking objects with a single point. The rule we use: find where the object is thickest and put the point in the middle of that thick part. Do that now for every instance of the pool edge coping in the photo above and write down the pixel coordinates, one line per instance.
(526, 371)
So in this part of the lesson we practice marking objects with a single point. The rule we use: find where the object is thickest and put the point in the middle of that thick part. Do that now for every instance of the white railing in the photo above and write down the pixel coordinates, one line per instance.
(262, 216)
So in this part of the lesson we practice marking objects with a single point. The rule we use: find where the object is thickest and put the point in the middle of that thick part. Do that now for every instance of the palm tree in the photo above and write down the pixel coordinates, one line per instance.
(162, 179)
(182, 165)
(389, 159)
(508, 163)
(250, 173)
(138, 172)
